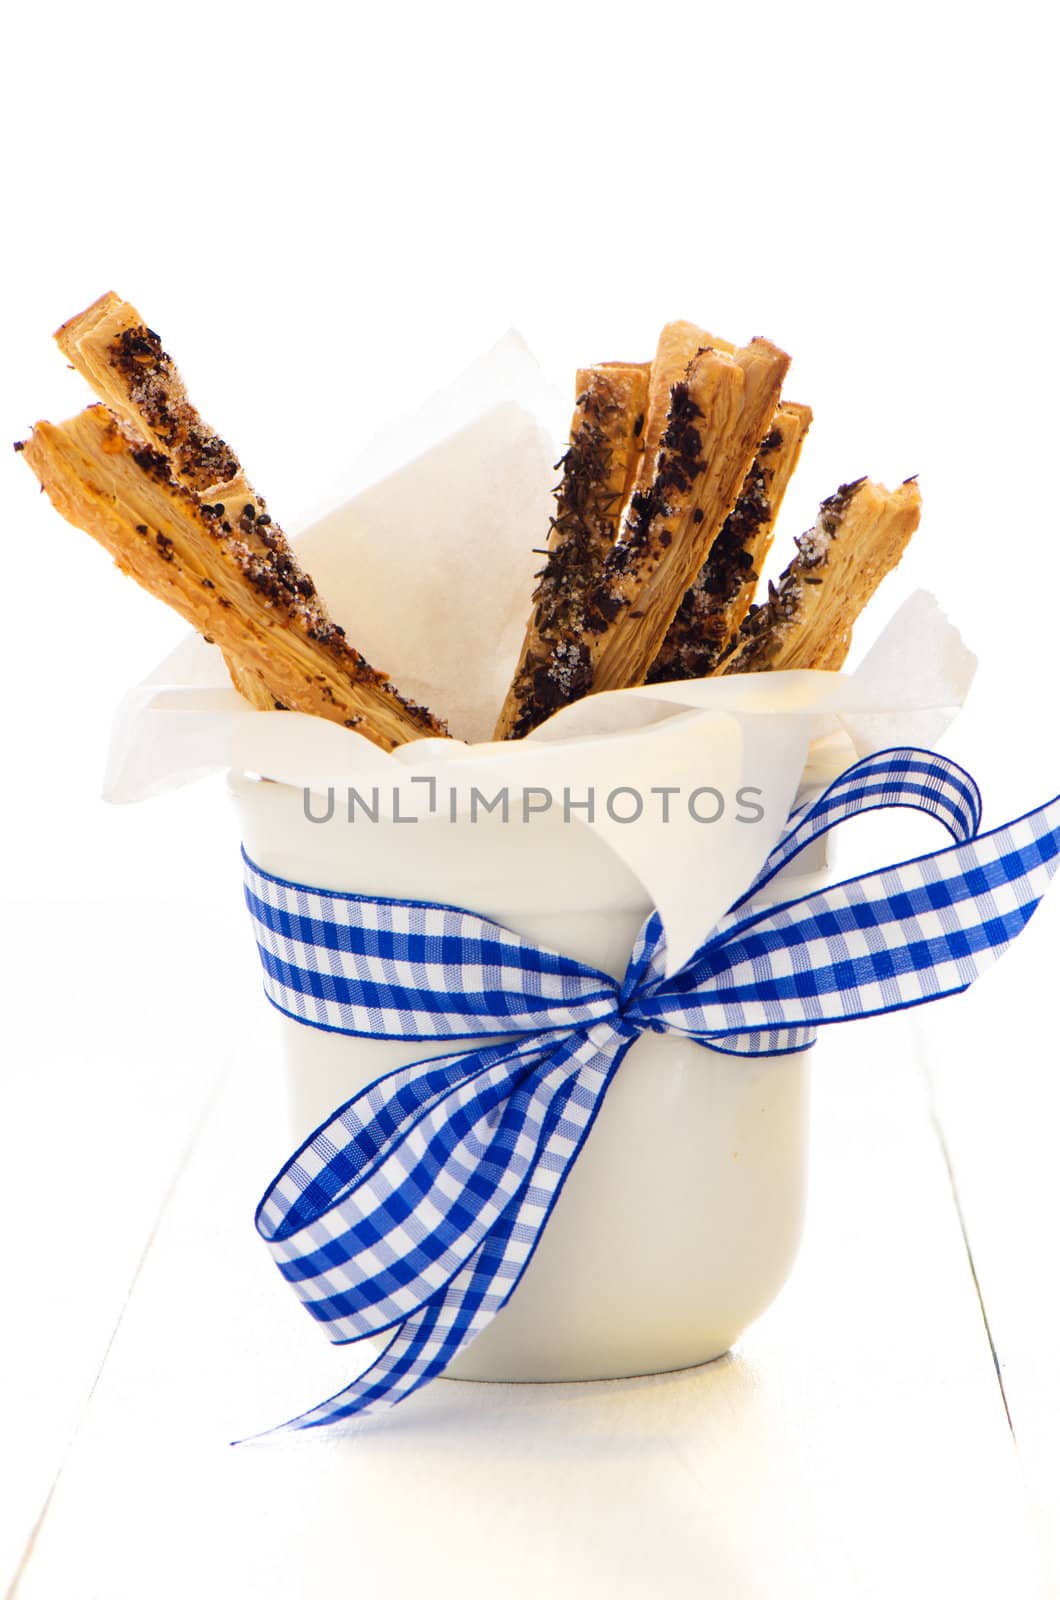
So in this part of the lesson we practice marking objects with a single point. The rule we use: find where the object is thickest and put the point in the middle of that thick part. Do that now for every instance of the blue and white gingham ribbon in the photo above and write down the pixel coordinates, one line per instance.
(415, 1209)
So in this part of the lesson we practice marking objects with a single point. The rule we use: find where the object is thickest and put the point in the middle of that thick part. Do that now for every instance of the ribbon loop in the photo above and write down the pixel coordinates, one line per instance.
(418, 1205)
(881, 942)
(912, 779)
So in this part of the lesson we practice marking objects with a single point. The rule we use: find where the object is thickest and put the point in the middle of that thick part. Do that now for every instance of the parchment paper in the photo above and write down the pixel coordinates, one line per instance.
(430, 570)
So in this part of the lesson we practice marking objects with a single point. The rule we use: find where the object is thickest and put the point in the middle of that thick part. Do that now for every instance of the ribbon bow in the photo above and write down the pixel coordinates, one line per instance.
(416, 1208)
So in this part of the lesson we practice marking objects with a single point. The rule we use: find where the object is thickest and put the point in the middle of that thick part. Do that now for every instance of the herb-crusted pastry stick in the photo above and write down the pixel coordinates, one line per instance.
(257, 605)
(122, 359)
(717, 602)
(860, 535)
(598, 468)
(716, 417)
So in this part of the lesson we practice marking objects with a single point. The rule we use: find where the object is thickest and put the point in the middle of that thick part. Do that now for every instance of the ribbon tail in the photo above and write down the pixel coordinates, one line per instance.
(570, 1094)
(385, 1202)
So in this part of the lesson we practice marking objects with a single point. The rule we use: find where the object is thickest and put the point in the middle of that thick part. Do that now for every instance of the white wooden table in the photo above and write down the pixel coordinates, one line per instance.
(888, 1428)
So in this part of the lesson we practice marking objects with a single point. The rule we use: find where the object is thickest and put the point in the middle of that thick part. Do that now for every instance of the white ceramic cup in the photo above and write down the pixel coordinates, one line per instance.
(681, 1218)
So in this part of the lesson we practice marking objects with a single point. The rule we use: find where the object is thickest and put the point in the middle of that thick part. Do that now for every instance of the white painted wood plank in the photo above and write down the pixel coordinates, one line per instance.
(855, 1444)
(107, 1071)
(994, 1061)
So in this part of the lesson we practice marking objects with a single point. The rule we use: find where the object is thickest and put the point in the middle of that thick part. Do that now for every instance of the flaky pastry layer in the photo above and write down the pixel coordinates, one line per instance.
(259, 607)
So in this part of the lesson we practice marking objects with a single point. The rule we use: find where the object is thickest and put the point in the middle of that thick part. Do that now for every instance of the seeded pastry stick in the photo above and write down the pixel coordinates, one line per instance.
(860, 535)
(597, 470)
(258, 606)
(554, 667)
(717, 602)
(716, 417)
(122, 359)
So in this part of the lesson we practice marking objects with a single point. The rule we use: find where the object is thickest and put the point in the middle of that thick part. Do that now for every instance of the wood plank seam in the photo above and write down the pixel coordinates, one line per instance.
(209, 1103)
(951, 1179)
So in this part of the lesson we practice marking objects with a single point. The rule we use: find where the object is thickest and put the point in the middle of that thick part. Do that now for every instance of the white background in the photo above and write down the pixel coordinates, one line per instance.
(326, 211)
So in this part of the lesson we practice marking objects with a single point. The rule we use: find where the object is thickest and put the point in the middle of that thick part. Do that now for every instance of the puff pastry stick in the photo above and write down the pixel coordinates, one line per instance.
(258, 606)
(860, 535)
(716, 417)
(122, 359)
(717, 602)
(598, 467)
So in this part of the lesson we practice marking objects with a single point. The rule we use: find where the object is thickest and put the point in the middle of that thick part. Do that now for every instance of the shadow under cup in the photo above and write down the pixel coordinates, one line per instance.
(681, 1218)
